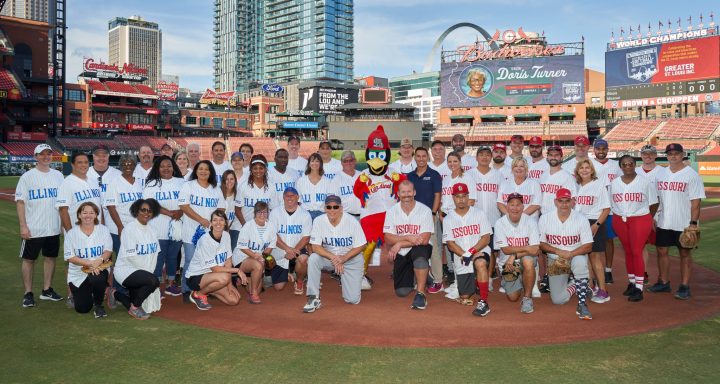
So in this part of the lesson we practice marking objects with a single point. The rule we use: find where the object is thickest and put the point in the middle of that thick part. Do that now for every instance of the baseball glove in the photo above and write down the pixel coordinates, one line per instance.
(690, 238)
(269, 262)
(105, 265)
(558, 266)
(513, 275)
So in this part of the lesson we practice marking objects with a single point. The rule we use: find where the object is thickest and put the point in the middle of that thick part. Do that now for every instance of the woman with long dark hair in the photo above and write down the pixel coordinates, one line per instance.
(314, 187)
(256, 189)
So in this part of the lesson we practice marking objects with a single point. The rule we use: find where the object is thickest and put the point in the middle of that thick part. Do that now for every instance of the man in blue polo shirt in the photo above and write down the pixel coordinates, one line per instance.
(428, 185)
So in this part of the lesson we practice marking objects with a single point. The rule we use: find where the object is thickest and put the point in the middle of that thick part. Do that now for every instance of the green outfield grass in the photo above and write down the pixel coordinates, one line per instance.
(711, 181)
(50, 343)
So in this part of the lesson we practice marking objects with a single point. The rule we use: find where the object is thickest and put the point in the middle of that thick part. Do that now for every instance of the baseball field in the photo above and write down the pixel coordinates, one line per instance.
(50, 343)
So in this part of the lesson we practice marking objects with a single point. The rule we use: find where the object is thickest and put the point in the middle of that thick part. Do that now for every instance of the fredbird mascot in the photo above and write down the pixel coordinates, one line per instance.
(377, 191)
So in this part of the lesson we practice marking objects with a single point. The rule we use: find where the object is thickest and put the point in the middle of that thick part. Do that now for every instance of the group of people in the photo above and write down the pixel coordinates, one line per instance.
(234, 228)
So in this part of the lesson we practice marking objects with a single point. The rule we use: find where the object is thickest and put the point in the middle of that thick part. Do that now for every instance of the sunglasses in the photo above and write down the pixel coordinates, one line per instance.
(332, 207)
(145, 210)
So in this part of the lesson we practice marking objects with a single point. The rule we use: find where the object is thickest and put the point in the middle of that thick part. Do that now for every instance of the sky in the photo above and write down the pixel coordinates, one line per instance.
(392, 38)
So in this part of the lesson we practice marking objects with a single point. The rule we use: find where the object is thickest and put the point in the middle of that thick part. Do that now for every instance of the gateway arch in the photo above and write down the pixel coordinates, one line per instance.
(431, 56)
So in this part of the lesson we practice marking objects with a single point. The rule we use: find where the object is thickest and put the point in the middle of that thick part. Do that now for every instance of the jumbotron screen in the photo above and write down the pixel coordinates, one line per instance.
(527, 81)
(684, 71)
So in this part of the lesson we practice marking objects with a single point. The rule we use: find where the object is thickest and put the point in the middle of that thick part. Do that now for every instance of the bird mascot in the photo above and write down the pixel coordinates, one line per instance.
(377, 191)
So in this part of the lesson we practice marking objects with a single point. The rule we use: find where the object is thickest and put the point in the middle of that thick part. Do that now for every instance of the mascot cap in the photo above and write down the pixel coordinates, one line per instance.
(378, 140)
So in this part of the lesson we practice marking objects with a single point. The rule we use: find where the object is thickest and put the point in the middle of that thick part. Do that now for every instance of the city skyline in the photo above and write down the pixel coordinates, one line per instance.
(391, 39)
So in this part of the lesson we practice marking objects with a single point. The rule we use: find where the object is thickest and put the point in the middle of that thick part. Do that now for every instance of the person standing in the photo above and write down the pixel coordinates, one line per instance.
(281, 177)
(35, 198)
(535, 147)
(530, 189)
(314, 187)
(408, 229)
(438, 164)
(428, 191)
(193, 154)
(296, 161)
(183, 163)
(103, 173)
(293, 224)
(633, 203)
(219, 159)
(146, 156)
(345, 181)
(331, 167)
(122, 192)
(88, 245)
(554, 179)
(458, 145)
(566, 238)
(649, 168)
(167, 150)
(247, 151)
(257, 188)
(466, 232)
(517, 145)
(76, 189)
(680, 192)
(607, 170)
(337, 242)
(238, 165)
(406, 162)
(499, 154)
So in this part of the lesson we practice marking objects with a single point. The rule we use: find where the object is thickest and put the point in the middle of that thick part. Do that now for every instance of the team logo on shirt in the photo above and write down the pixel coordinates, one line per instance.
(220, 258)
(585, 200)
(487, 187)
(89, 252)
(561, 239)
(42, 193)
(549, 188)
(200, 201)
(517, 241)
(673, 186)
(627, 197)
(256, 246)
(407, 229)
(466, 230)
(167, 195)
(337, 241)
(86, 194)
(127, 197)
(535, 173)
(290, 229)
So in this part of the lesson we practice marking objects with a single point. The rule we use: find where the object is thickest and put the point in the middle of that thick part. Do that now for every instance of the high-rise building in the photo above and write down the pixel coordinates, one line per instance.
(26, 9)
(135, 41)
(421, 90)
(279, 41)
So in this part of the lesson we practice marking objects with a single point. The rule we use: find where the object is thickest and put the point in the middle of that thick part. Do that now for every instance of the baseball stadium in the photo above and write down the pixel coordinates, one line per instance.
(657, 92)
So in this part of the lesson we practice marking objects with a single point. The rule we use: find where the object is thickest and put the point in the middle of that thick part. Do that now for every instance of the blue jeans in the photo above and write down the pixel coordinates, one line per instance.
(189, 252)
(234, 235)
(169, 250)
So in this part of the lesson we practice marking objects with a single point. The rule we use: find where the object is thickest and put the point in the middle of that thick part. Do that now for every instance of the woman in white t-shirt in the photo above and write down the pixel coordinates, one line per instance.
(257, 239)
(257, 188)
(163, 184)
(592, 202)
(228, 187)
(183, 163)
(314, 187)
(457, 175)
(238, 165)
(88, 245)
(211, 269)
(199, 197)
(122, 192)
(136, 261)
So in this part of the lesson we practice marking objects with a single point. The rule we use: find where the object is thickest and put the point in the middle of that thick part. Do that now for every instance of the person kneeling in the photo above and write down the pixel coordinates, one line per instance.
(211, 268)
(466, 232)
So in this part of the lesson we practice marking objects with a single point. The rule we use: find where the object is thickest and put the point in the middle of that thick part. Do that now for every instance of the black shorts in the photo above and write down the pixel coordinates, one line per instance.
(404, 266)
(194, 282)
(278, 274)
(668, 238)
(49, 245)
(466, 284)
(600, 237)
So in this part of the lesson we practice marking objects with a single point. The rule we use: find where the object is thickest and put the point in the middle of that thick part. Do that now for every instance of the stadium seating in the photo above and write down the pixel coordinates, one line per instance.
(632, 130)
(570, 130)
(87, 143)
(144, 89)
(96, 85)
(22, 148)
(689, 128)
(446, 131)
(307, 148)
(492, 132)
(120, 87)
(261, 145)
(135, 142)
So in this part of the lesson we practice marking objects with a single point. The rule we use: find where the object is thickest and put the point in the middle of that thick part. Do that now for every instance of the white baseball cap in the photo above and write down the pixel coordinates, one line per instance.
(41, 148)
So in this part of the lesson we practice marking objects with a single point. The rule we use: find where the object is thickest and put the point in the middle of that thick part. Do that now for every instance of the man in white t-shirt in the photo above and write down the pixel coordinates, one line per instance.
(219, 160)
(296, 161)
(458, 145)
(103, 173)
(35, 197)
(517, 238)
(345, 181)
(554, 179)
(406, 162)
(408, 227)
(331, 167)
(566, 237)
(439, 164)
(680, 191)
(146, 156)
(337, 242)
(537, 164)
(281, 177)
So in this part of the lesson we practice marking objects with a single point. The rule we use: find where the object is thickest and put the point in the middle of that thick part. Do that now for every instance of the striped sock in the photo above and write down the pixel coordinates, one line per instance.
(571, 289)
(639, 280)
(582, 287)
(631, 278)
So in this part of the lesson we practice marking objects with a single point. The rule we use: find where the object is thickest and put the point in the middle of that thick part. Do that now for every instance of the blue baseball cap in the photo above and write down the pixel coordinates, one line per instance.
(291, 190)
(599, 142)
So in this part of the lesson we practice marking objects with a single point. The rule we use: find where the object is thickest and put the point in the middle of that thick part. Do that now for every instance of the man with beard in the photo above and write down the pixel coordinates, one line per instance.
(458, 144)
(537, 164)
(142, 169)
(554, 179)
(280, 177)
(498, 156)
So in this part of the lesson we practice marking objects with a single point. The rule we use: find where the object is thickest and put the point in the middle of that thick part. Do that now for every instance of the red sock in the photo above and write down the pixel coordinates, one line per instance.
(483, 288)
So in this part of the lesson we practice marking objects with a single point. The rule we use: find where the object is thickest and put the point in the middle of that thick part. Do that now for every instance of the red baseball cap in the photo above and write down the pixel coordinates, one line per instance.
(582, 140)
(555, 148)
(513, 196)
(459, 188)
(500, 146)
(563, 193)
(517, 137)
(536, 140)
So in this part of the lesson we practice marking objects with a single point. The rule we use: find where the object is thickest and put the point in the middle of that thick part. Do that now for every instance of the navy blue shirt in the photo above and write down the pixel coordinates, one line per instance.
(426, 186)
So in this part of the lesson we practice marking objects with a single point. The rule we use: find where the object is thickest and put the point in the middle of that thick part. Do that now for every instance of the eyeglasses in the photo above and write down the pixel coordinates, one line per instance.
(332, 207)
(145, 210)
(262, 213)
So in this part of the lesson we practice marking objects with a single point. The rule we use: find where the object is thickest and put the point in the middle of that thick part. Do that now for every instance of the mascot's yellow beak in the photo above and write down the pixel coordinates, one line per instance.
(376, 164)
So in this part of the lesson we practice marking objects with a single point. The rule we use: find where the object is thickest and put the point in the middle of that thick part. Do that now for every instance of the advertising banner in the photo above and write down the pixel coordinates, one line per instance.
(166, 90)
(102, 70)
(300, 125)
(223, 98)
(531, 81)
(676, 69)
(709, 168)
(326, 100)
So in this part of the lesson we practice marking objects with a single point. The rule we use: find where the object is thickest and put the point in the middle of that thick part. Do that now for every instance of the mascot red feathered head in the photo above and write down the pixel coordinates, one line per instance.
(377, 152)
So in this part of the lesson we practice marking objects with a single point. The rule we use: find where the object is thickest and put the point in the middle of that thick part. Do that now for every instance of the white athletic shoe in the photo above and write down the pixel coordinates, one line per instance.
(365, 284)
(536, 292)
(451, 292)
(312, 305)
(501, 290)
